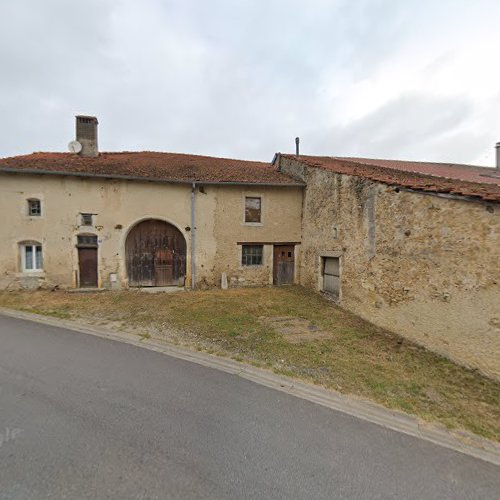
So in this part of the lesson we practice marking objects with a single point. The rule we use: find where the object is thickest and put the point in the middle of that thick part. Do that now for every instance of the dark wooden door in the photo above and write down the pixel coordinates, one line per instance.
(284, 264)
(155, 254)
(87, 260)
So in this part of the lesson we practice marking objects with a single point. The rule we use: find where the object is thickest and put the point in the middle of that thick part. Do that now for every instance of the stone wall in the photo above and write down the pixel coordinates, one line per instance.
(424, 266)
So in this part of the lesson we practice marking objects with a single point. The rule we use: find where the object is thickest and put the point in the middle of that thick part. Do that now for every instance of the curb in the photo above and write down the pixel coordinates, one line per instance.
(461, 441)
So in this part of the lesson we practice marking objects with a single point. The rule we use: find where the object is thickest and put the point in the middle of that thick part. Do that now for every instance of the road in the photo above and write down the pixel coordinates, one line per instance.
(86, 417)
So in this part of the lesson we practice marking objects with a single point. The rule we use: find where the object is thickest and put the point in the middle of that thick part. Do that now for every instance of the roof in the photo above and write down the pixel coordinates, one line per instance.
(464, 180)
(151, 166)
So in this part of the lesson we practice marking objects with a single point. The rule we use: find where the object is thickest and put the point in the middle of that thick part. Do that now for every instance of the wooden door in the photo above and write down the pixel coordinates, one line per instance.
(155, 254)
(284, 264)
(87, 261)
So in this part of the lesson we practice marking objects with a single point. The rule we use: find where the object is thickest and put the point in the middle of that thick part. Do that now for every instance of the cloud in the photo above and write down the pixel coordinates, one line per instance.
(242, 79)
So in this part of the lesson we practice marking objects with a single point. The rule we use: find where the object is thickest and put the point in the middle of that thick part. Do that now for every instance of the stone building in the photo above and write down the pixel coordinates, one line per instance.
(115, 220)
(412, 247)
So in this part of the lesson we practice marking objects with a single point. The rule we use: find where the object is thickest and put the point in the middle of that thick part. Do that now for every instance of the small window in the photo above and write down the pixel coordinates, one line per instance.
(251, 255)
(87, 220)
(252, 209)
(32, 257)
(34, 208)
(87, 241)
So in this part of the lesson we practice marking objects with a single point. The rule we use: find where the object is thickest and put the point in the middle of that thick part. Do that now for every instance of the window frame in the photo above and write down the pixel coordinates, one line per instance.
(36, 257)
(246, 259)
(89, 217)
(31, 201)
(245, 209)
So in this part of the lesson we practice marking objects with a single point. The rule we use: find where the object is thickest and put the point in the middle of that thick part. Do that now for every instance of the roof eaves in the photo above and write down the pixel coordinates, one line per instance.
(148, 179)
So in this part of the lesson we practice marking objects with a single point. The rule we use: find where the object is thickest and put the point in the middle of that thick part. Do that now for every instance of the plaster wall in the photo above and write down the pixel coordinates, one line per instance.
(118, 205)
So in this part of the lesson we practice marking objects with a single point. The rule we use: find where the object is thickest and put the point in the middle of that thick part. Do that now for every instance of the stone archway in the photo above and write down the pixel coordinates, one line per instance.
(155, 253)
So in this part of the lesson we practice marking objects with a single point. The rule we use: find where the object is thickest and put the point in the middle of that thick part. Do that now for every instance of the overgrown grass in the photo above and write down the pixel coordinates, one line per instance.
(356, 358)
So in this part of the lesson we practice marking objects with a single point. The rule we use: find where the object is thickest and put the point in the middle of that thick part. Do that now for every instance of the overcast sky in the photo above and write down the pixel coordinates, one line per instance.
(406, 79)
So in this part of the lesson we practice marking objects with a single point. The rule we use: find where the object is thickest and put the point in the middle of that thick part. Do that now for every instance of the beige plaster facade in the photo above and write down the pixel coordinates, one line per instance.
(118, 205)
(424, 266)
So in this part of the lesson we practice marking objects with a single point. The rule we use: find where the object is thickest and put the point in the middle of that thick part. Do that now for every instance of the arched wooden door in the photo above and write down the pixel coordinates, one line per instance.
(155, 254)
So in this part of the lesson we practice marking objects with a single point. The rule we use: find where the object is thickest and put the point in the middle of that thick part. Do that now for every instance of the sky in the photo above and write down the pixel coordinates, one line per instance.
(403, 79)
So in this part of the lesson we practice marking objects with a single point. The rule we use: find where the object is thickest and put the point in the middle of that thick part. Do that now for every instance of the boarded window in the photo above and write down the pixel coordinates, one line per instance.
(331, 275)
(32, 257)
(34, 208)
(252, 209)
(251, 255)
(87, 220)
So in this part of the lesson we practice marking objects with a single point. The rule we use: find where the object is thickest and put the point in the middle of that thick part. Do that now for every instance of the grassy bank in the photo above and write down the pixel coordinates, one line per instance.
(294, 332)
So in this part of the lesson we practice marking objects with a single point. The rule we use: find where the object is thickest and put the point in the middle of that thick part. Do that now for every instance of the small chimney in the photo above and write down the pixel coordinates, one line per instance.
(297, 142)
(498, 155)
(86, 135)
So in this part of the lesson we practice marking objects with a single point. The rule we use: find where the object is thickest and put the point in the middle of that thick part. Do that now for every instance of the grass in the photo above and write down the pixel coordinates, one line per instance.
(355, 357)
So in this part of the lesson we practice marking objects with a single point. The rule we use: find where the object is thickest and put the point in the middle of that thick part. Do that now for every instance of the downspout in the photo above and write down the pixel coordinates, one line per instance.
(193, 238)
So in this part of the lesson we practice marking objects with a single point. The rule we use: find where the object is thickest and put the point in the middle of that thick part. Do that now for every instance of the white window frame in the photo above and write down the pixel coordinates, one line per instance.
(34, 200)
(37, 266)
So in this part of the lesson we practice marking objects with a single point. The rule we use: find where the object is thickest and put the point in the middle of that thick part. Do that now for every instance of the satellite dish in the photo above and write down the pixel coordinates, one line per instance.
(74, 146)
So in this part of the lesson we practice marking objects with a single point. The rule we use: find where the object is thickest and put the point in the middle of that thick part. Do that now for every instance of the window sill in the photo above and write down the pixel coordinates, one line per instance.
(254, 224)
(34, 274)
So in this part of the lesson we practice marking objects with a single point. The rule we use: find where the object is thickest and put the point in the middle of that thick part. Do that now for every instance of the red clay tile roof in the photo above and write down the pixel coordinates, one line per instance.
(164, 167)
(464, 180)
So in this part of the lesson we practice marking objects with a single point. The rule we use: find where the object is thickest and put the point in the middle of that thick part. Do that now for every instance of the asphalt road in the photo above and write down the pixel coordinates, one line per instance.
(86, 417)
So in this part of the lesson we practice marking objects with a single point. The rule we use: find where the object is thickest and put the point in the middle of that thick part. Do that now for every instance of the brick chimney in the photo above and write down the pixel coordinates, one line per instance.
(86, 135)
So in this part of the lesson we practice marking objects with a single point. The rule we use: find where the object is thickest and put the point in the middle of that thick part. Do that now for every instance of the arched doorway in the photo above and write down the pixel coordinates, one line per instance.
(155, 254)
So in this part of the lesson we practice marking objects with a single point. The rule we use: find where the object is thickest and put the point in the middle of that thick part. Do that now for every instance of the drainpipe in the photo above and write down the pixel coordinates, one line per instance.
(193, 238)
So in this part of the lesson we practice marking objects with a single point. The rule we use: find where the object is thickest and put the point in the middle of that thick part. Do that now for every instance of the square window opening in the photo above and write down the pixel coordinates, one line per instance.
(251, 255)
(87, 219)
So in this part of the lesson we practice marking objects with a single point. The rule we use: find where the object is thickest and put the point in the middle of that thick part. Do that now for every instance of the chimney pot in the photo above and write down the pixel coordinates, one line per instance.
(297, 142)
(86, 135)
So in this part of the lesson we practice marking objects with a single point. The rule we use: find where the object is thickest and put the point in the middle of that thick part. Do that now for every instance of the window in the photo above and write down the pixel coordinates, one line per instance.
(87, 220)
(252, 209)
(251, 255)
(34, 208)
(31, 257)
(87, 240)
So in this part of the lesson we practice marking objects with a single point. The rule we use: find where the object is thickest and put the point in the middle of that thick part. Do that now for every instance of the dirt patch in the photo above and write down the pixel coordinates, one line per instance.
(295, 330)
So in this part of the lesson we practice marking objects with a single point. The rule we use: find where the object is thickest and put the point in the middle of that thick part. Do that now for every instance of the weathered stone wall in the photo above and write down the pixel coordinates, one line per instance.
(423, 266)
(118, 206)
